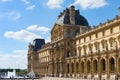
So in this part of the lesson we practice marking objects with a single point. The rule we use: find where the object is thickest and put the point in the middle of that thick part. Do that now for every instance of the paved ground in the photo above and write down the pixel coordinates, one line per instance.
(51, 78)
(56, 78)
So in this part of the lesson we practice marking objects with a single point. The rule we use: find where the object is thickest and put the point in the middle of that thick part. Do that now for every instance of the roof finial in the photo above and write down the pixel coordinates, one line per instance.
(72, 14)
(72, 7)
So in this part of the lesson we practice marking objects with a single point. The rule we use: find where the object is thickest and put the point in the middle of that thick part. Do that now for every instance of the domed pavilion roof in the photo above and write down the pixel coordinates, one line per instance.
(71, 16)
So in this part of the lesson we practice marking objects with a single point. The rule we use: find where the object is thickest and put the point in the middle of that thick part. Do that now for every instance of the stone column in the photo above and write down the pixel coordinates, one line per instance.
(63, 62)
(85, 68)
(117, 61)
(75, 70)
(70, 69)
(117, 42)
(117, 52)
(53, 64)
(60, 61)
(91, 70)
(85, 63)
(107, 67)
(99, 68)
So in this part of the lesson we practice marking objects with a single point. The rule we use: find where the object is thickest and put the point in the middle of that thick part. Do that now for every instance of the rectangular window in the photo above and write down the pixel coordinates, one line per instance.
(103, 33)
(84, 39)
(90, 37)
(97, 47)
(96, 35)
(79, 52)
(119, 28)
(79, 41)
(111, 30)
(68, 33)
(84, 50)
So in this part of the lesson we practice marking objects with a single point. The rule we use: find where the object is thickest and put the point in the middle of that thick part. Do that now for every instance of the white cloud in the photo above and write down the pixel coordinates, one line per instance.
(15, 59)
(12, 15)
(54, 3)
(4, 0)
(30, 7)
(25, 1)
(37, 28)
(90, 3)
(23, 35)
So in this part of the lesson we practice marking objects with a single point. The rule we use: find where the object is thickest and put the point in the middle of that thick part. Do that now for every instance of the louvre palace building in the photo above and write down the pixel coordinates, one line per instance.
(78, 50)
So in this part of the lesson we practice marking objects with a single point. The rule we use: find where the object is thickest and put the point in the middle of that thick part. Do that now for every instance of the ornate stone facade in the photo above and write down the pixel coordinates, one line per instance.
(78, 50)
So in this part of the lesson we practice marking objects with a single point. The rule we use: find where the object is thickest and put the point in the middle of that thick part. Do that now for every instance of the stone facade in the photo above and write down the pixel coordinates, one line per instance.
(78, 50)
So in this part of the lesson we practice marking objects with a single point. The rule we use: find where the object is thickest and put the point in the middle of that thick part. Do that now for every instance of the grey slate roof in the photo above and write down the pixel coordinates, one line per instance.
(64, 18)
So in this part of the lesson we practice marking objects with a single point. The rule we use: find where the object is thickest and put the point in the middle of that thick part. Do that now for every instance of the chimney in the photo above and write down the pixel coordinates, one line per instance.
(72, 15)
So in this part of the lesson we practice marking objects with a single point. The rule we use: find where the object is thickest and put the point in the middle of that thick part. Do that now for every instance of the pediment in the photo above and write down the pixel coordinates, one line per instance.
(56, 26)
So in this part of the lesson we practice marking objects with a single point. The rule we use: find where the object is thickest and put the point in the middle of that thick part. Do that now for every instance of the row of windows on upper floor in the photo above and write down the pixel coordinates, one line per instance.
(44, 59)
(99, 34)
(44, 54)
(105, 45)
(96, 47)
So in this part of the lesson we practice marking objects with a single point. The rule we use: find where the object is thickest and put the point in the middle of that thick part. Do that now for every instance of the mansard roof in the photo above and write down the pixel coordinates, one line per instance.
(64, 17)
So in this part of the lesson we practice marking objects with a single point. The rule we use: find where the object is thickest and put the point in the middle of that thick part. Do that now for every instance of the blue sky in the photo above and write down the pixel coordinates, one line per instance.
(21, 21)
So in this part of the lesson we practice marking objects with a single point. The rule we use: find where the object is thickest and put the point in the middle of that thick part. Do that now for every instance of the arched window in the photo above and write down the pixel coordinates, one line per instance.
(79, 51)
(104, 45)
(84, 48)
(74, 53)
(90, 48)
(68, 53)
(111, 64)
(113, 43)
(96, 46)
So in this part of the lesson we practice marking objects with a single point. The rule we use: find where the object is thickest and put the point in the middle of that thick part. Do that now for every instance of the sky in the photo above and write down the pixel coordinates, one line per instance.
(21, 21)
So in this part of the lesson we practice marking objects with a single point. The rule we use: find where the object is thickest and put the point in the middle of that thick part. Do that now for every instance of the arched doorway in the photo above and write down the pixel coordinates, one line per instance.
(82, 67)
(77, 67)
(72, 67)
(103, 66)
(88, 66)
(119, 65)
(68, 68)
(95, 66)
(111, 65)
